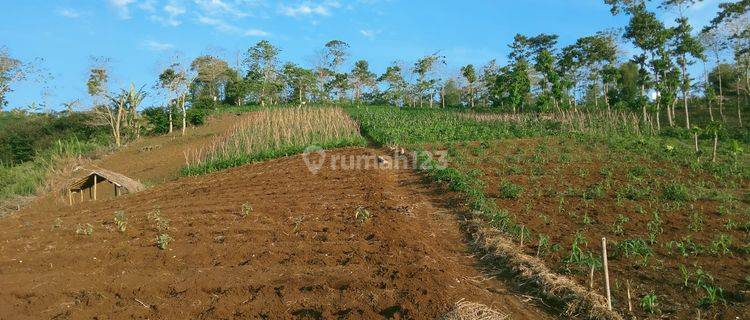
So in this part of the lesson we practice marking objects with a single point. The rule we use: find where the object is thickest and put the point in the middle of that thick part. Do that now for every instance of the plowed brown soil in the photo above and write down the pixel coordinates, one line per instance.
(299, 253)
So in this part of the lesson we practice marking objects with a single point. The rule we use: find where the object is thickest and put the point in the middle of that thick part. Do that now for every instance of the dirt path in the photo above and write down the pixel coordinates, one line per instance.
(300, 253)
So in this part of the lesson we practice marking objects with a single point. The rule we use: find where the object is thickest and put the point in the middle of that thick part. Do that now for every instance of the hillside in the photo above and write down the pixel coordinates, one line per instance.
(300, 251)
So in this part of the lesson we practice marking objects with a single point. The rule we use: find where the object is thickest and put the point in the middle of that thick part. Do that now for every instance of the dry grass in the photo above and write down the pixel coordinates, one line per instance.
(271, 133)
(466, 310)
(578, 300)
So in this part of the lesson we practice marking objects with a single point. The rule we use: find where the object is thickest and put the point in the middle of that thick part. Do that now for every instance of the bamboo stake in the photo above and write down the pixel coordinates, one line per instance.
(630, 304)
(606, 273)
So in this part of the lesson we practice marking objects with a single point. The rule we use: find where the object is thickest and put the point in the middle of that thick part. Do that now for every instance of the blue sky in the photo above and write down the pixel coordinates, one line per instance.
(141, 36)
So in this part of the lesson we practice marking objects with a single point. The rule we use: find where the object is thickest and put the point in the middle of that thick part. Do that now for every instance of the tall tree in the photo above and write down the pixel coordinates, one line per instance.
(423, 68)
(715, 43)
(361, 77)
(173, 79)
(299, 81)
(487, 80)
(262, 59)
(210, 77)
(470, 74)
(396, 89)
(11, 70)
(685, 47)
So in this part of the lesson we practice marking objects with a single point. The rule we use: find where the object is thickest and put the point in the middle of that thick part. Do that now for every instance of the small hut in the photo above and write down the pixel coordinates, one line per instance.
(120, 183)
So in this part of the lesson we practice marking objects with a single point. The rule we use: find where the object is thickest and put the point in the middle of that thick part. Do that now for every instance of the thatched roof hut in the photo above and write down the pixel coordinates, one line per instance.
(121, 183)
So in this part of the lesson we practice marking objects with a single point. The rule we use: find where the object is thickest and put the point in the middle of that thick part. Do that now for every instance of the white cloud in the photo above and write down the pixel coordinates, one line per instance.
(216, 7)
(122, 7)
(157, 46)
(304, 10)
(68, 13)
(172, 11)
(369, 33)
(148, 5)
(223, 26)
(219, 24)
(256, 33)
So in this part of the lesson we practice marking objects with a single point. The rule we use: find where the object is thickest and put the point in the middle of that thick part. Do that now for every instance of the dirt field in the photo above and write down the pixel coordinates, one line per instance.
(567, 188)
(300, 252)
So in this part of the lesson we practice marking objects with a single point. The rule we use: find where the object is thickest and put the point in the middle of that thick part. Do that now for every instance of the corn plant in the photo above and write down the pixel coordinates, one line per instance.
(121, 222)
(618, 227)
(163, 240)
(85, 230)
(721, 244)
(57, 223)
(509, 190)
(649, 303)
(362, 214)
(246, 209)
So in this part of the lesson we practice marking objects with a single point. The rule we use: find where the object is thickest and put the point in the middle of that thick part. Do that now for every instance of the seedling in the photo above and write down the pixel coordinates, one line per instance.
(57, 224)
(85, 230)
(121, 221)
(362, 215)
(163, 240)
(246, 210)
(618, 227)
(649, 303)
(509, 190)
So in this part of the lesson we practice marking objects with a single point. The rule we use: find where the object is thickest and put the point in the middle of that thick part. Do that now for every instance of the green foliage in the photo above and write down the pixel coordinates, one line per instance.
(24, 136)
(510, 190)
(157, 120)
(246, 209)
(676, 192)
(387, 125)
(121, 221)
(84, 230)
(362, 214)
(635, 248)
(649, 303)
(163, 240)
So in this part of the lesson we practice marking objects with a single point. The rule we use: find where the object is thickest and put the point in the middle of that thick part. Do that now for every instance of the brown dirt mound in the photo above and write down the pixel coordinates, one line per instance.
(299, 253)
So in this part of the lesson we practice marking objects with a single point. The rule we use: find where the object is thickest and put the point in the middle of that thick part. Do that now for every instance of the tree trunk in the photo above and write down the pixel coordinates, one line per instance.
(442, 96)
(643, 108)
(184, 113)
(471, 93)
(739, 110)
(171, 123)
(606, 96)
(695, 138)
(708, 99)
(721, 95)
(685, 90)
(716, 144)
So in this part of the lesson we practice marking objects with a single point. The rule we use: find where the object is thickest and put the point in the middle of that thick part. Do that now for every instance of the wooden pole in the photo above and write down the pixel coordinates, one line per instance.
(81, 193)
(630, 304)
(606, 272)
(70, 197)
(94, 187)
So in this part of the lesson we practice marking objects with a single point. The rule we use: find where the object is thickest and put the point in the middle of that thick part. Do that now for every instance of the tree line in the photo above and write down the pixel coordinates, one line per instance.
(540, 75)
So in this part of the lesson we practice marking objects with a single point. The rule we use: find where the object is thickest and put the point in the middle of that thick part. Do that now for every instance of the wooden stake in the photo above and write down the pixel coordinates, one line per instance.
(606, 273)
(94, 187)
(630, 304)
(81, 193)
(522, 237)
(591, 278)
(70, 197)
